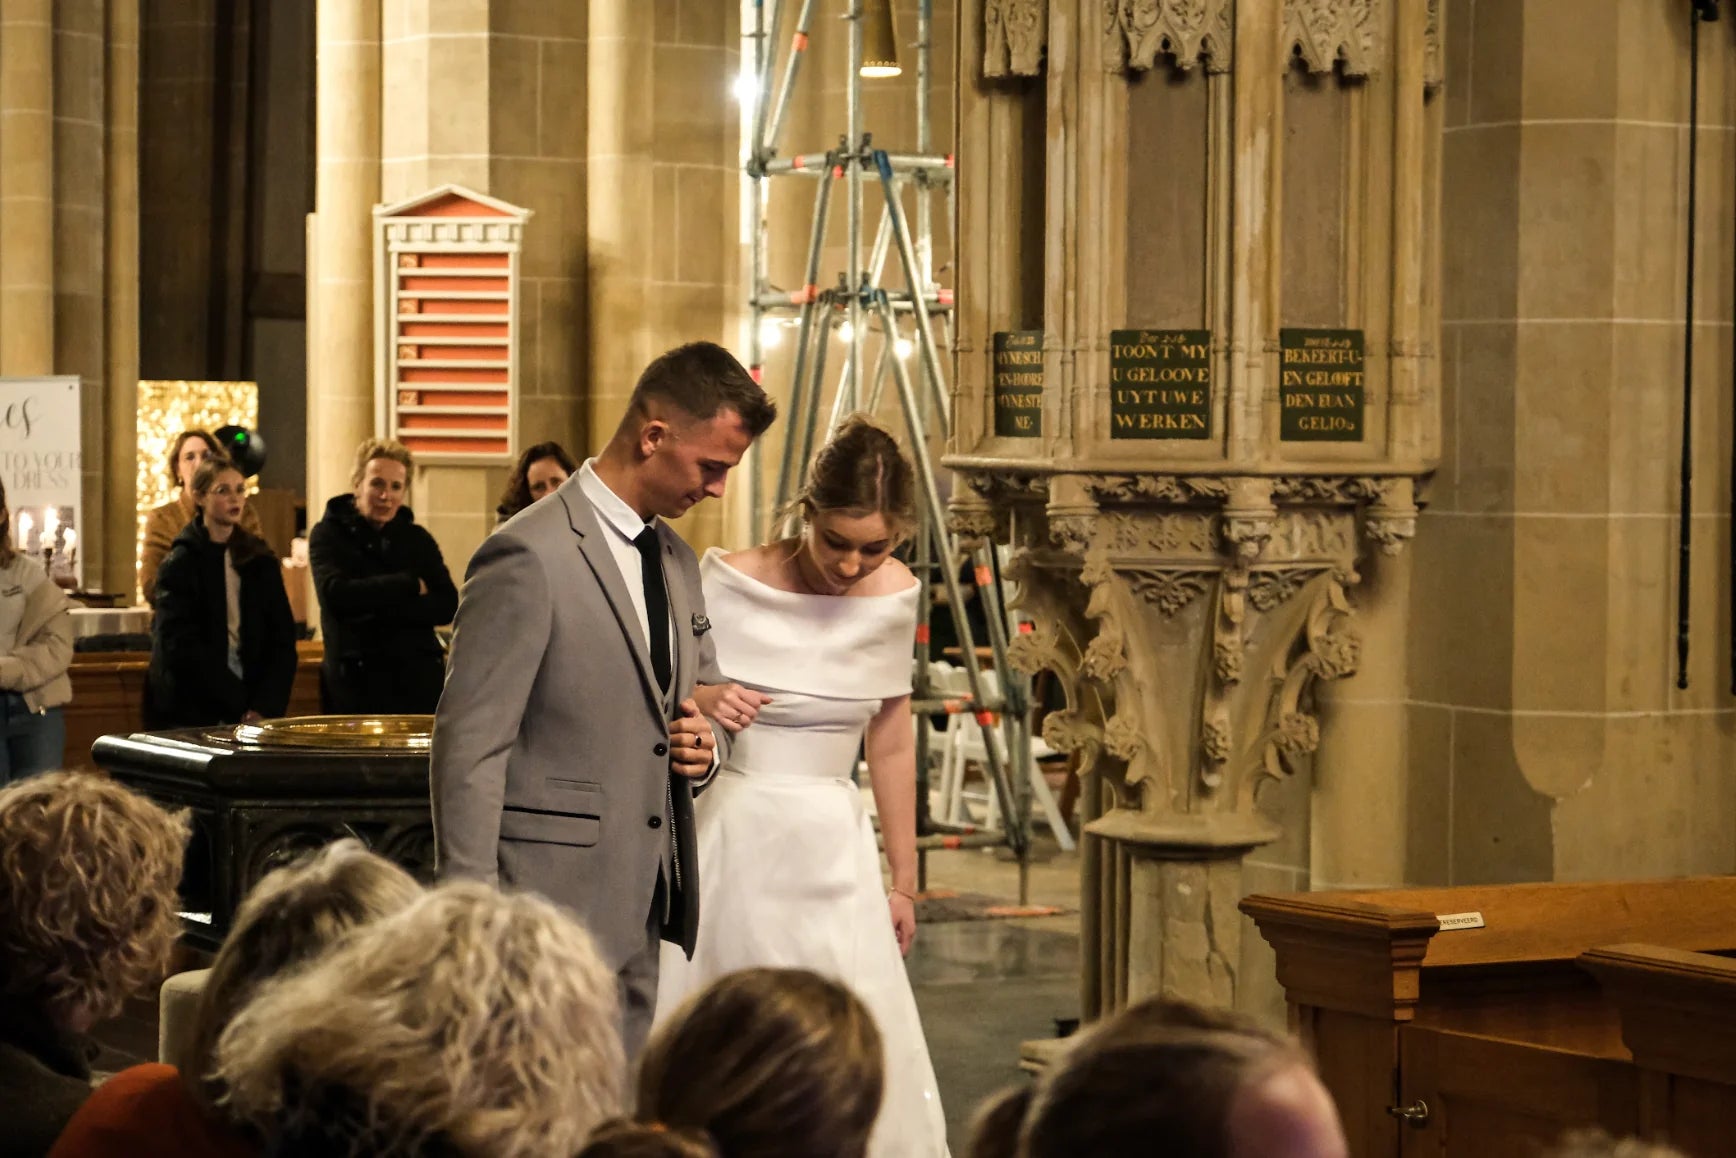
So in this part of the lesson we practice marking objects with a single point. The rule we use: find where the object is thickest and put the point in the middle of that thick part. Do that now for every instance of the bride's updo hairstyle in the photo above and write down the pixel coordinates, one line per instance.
(861, 471)
(763, 1063)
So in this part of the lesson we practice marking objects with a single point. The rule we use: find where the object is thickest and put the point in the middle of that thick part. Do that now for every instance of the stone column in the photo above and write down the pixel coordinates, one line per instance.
(341, 286)
(491, 95)
(27, 187)
(440, 106)
(178, 98)
(618, 178)
(121, 300)
(80, 203)
(695, 289)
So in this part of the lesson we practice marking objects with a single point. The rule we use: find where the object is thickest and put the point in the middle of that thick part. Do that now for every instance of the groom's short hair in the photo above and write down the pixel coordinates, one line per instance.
(700, 379)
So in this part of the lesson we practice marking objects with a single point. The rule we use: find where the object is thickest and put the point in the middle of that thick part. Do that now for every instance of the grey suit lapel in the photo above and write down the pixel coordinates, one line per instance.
(595, 549)
(680, 611)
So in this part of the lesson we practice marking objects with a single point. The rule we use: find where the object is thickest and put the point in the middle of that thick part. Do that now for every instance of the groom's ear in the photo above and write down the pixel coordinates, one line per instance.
(653, 433)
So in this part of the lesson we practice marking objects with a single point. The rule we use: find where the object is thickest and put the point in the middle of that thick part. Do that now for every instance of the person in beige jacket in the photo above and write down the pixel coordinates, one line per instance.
(35, 651)
(191, 447)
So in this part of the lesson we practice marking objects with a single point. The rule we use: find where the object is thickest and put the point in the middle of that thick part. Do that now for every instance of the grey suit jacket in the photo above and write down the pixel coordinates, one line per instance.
(550, 769)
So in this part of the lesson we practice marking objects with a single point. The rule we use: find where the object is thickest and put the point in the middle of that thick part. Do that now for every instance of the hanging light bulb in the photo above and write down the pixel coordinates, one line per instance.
(904, 347)
(771, 334)
(879, 40)
(744, 87)
(846, 333)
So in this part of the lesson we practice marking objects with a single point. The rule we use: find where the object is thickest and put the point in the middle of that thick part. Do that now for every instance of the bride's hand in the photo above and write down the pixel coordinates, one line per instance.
(731, 705)
(903, 919)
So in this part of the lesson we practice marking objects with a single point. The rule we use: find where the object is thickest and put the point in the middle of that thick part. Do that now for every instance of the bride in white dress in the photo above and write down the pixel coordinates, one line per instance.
(818, 631)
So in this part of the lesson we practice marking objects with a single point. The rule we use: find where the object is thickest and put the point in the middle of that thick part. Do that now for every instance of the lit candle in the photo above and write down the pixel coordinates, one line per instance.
(69, 543)
(25, 523)
(50, 524)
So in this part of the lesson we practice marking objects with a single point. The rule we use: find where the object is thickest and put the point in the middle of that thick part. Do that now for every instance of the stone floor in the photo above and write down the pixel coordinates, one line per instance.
(985, 986)
(982, 986)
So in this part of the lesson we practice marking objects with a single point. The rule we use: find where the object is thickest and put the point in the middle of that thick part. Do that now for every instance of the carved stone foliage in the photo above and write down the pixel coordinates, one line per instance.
(1269, 590)
(1168, 591)
(1324, 33)
(1162, 532)
(973, 525)
(1328, 648)
(1015, 34)
(1434, 69)
(1007, 484)
(1188, 31)
(1162, 488)
(1189, 618)
(1327, 489)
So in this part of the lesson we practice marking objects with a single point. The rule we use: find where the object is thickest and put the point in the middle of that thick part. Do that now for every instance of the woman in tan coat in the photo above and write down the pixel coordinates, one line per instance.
(35, 651)
(191, 448)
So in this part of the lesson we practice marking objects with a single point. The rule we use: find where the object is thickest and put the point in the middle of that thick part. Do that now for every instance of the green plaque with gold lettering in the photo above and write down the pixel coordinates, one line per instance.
(1320, 394)
(1160, 384)
(1018, 382)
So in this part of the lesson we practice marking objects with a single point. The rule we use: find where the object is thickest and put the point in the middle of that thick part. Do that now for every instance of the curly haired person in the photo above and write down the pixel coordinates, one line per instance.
(88, 873)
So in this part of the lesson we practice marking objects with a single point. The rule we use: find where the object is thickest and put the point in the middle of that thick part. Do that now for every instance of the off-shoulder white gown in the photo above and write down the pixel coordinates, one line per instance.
(789, 875)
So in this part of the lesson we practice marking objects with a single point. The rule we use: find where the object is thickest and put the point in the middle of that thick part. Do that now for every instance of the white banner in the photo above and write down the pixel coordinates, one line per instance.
(41, 466)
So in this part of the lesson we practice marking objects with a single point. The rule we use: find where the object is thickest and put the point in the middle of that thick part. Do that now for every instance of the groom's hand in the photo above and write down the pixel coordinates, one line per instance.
(691, 743)
(731, 705)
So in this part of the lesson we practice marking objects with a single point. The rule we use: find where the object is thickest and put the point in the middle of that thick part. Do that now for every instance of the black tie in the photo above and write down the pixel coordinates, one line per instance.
(656, 602)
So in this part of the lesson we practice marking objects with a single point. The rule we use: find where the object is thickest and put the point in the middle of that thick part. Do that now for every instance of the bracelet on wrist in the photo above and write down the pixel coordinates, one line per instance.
(905, 893)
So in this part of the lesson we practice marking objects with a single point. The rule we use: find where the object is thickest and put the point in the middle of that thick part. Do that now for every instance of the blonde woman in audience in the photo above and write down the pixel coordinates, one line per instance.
(290, 917)
(88, 873)
(764, 1063)
(190, 448)
(1172, 1078)
(35, 653)
(383, 588)
(472, 1024)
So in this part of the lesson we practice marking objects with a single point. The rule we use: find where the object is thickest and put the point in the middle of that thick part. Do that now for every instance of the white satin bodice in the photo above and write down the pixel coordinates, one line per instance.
(828, 662)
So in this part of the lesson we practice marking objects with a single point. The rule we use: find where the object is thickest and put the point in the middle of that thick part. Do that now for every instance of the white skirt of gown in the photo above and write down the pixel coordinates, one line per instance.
(790, 877)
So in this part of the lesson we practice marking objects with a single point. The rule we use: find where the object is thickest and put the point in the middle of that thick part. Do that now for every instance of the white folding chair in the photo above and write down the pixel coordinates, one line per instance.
(966, 742)
(945, 682)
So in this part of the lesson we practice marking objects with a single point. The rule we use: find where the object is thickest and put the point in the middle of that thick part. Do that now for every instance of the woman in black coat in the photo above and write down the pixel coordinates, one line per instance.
(383, 588)
(223, 644)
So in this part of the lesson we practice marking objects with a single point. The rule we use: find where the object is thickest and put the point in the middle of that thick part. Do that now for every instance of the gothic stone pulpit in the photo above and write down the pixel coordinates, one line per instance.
(1197, 394)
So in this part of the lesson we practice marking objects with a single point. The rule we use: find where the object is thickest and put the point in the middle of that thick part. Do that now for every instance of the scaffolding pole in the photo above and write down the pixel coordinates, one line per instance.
(844, 313)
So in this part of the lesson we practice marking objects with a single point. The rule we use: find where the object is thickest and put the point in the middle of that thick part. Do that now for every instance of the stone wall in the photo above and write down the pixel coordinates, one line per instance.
(610, 121)
(1546, 736)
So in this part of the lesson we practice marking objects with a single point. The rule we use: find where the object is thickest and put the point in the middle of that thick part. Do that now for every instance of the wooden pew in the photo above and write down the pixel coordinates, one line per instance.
(1538, 1008)
(108, 690)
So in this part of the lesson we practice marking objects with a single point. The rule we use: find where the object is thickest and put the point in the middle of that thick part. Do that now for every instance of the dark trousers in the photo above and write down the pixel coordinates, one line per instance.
(32, 741)
(638, 979)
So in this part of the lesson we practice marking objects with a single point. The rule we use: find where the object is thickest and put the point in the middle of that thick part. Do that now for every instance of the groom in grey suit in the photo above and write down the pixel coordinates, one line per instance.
(567, 745)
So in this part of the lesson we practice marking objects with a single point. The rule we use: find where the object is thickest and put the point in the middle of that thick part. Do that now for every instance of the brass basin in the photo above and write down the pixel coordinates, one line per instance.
(378, 733)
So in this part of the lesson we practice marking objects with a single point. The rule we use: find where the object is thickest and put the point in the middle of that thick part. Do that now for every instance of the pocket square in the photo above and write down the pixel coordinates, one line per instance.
(701, 625)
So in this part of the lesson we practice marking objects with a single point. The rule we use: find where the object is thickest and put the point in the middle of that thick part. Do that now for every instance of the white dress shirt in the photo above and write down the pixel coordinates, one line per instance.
(626, 524)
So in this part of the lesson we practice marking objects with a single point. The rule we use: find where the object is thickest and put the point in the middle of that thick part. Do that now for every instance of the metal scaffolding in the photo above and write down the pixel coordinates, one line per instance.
(856, 305)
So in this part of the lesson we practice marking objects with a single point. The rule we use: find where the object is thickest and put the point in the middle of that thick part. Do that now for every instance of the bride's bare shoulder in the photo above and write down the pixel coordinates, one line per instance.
(889, 578)
(759, 562)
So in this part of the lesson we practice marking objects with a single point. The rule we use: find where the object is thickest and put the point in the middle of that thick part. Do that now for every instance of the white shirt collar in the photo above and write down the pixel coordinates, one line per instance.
(610, 506)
